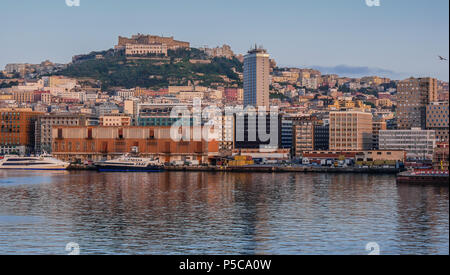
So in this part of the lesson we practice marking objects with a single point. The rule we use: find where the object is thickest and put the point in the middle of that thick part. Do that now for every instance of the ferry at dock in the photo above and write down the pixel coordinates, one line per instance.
(45, 163)
(129, 164)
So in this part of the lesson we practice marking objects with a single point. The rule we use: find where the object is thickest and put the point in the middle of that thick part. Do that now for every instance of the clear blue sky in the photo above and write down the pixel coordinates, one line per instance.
(402, 36)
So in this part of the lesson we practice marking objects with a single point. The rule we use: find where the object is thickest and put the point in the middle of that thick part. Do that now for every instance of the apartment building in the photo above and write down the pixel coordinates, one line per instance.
(413, 96)
(310, 83)
(287, 134)
(234, 94)
(290, 77)
(226, 141)
(16, 68)
(417, 143)
(350, 131)
(17, 130)
(437, 120)
(224, 51)
(115, 120)
(256, 78)
(44, 125)
(62, 82)
(24, 96)
(130, 107)
(303, 134)
(4, 97)
(377, 127)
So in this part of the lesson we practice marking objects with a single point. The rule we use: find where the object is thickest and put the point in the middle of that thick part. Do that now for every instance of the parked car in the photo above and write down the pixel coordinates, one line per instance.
(178, 163)
(194, 163)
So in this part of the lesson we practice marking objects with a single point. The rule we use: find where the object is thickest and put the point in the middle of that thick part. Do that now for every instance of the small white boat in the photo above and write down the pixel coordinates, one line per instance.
(44, 162)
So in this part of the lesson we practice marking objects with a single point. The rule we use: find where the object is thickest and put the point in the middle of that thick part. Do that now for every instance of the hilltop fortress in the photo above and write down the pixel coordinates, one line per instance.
(142, 39)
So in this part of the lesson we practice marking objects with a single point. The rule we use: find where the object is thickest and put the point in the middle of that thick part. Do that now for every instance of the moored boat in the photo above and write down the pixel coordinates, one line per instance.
(424, 177)
(129, 164)
(32, 163)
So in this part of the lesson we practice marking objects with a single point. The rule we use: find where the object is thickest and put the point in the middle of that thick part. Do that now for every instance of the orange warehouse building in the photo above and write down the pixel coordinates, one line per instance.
(99, 142)
(17, 130)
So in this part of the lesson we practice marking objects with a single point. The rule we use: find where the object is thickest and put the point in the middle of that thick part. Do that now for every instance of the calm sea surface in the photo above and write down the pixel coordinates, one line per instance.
(219, 213)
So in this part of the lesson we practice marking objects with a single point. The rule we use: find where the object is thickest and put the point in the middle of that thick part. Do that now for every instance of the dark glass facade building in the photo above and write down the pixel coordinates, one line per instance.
(322, 137)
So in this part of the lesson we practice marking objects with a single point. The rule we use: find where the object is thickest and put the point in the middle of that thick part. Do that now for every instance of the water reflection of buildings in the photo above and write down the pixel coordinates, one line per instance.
(422, 212)
(171, 209)
(251, 213)
(234, 213)
(156, 210)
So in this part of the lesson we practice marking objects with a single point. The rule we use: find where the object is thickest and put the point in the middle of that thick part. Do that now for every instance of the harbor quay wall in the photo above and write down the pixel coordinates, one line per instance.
(267, 169)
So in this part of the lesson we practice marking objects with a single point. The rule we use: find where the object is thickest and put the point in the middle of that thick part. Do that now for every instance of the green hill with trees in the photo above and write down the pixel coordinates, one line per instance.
(117, 70)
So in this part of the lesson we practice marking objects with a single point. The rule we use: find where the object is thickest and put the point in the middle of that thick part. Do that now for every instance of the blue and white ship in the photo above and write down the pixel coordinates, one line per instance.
(129, 164)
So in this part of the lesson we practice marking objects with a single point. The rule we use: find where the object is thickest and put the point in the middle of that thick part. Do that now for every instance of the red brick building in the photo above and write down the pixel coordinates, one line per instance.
(96, 143)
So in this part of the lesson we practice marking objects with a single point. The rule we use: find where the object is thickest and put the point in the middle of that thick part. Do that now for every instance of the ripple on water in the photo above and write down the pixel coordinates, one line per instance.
(219, 213)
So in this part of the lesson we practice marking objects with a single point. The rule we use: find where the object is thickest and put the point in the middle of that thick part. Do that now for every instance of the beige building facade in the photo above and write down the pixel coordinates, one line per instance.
(144, 49)
(351, 131)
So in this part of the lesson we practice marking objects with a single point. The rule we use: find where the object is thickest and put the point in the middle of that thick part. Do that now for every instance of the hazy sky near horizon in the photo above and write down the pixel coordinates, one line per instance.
(400, 38)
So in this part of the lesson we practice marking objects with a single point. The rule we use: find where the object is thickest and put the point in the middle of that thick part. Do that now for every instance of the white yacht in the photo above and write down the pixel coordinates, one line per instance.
(129, 164)
(32, 163)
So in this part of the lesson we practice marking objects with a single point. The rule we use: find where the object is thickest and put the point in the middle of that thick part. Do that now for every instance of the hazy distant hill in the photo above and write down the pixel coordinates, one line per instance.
(116, 70)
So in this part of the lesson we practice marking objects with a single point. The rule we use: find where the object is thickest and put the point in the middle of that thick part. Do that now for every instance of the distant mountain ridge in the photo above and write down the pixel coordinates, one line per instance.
(359, 71)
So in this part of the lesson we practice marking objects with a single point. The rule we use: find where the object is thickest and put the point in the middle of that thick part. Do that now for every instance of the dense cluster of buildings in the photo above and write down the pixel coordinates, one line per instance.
(22, 70)
(224, 51)
(318, 117)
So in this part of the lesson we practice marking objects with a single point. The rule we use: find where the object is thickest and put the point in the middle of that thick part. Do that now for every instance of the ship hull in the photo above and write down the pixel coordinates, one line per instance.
(36, 168)
(435, 180)
(42, 163)
(148, 169)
